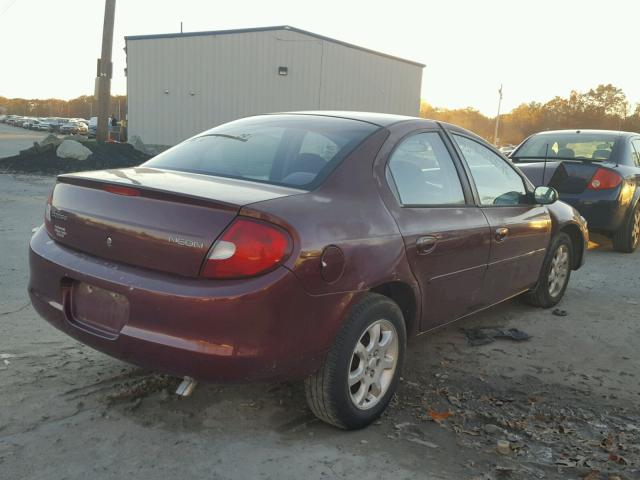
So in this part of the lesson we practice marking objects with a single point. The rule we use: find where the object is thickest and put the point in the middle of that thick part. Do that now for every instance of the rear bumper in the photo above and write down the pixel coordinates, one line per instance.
(603, 210)
(266, 328)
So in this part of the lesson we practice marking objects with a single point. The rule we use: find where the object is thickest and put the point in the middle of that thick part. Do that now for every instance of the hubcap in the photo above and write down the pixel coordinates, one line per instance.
(635, 231)
(559, 270)
(373, 364)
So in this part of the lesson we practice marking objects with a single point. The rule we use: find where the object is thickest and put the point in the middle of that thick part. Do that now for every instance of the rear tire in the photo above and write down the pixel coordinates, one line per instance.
(627, 238)
(360, 373)
(554, 274)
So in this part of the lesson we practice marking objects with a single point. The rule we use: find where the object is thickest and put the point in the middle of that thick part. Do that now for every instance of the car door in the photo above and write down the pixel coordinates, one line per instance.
(446, 236)
(520, 229)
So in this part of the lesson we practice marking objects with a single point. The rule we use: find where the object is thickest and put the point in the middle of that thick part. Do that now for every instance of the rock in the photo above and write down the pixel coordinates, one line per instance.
(492, 429)
(72, 149)
(50, 140)
(137, 143)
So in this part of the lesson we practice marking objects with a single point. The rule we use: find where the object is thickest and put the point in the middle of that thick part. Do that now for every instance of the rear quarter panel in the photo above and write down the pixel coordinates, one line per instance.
(346, 211)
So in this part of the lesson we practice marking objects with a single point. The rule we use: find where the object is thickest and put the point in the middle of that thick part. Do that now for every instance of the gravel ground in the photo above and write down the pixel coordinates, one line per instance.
(566, 401)
(14, 139)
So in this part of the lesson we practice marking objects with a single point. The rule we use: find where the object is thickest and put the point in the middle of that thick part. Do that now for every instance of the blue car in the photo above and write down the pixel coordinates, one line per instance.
(595, 171)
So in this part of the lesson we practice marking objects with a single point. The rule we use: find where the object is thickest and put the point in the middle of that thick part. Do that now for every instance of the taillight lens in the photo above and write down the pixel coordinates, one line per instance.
(120, 190)
(247, 248)
(47, 208)
(604, 179)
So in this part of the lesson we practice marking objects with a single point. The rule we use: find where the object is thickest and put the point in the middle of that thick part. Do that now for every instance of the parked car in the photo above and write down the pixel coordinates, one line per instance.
(507, 149)
(28, 123)
(596, 171)
(73, 128)
(44, 126)
(298, 246)
(55, 123)
(93, 125)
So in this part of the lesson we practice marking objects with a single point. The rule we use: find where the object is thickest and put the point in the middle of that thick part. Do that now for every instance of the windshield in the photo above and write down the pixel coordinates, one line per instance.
(291, 150)
(595, 147)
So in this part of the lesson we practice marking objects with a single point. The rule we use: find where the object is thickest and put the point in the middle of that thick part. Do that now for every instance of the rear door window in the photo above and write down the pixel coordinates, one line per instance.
(424, 173)
(291, 150)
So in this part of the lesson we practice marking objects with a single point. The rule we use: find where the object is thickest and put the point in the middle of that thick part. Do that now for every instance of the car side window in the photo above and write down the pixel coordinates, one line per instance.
(635, 151)
(424, 173)
(498, 184)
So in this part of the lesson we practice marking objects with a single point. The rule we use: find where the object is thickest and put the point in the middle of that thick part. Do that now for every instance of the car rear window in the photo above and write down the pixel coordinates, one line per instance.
(291, 150)
(581, 146)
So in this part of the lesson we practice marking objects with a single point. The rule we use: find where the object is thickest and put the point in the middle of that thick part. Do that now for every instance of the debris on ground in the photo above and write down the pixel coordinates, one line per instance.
(135, 389)
(559, 312)
(438, 416)
(503, 447)
(520, 420)
(484, 335)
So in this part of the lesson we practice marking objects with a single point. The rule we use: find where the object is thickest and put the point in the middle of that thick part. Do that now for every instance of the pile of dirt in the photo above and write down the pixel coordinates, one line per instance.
(42, 159)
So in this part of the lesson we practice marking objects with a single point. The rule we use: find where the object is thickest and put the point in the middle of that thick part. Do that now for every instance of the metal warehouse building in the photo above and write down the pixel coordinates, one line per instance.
(180, 84)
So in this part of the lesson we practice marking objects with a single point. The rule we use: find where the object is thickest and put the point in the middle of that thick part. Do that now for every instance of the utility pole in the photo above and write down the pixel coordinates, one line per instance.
(105, 68)
(495, 132)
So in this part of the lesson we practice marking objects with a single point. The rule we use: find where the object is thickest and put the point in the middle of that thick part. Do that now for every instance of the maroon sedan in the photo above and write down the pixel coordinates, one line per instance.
(298, 246)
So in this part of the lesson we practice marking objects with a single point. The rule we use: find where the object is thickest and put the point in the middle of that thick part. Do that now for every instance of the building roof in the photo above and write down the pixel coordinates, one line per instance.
(269, 29)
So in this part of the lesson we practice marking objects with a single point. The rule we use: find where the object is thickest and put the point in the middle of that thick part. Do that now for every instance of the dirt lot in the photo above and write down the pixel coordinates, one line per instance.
(566, 400)
(14, 139)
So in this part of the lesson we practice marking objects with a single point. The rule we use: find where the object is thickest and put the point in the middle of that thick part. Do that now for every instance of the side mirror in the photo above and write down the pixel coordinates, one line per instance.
(545, 195)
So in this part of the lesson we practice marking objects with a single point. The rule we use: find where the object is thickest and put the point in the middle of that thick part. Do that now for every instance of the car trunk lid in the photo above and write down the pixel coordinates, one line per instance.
(151, 218)
(573, 177)
(564, 176)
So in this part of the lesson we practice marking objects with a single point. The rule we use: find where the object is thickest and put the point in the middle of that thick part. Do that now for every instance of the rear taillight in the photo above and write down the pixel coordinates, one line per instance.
(247, 248)
(120, 190)
(604, 179)
(47, 208)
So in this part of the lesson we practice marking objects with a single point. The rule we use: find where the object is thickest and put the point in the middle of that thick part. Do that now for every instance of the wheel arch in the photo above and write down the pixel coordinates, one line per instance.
(577, 242)
(404, 295)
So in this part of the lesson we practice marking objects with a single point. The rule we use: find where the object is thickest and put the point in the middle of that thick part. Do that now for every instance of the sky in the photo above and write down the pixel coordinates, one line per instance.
(536, 49)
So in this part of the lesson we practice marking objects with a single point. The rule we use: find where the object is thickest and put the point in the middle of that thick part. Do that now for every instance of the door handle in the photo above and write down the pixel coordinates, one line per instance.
(501, 233)
(426, 244)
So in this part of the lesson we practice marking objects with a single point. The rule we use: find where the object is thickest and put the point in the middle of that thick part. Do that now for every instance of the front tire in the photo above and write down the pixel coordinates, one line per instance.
(627, 238)
(361, 371)
(554, 274)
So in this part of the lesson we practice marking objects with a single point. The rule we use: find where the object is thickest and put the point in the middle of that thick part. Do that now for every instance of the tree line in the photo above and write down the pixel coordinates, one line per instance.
(84, 106)
(603, 107)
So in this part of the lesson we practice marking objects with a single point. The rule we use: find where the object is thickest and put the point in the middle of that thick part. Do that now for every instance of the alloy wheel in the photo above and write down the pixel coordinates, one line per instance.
(559, 270)
(373, 364)
(635, 229)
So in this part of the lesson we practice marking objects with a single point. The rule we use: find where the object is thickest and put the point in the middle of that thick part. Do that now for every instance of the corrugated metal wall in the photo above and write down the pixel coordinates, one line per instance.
(179, 86)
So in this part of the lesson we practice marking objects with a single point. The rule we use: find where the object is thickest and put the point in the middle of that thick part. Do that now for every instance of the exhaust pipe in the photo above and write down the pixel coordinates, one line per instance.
(186, 387)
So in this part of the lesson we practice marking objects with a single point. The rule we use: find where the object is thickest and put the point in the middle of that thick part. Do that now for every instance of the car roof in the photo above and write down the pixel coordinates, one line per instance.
(379, 119)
